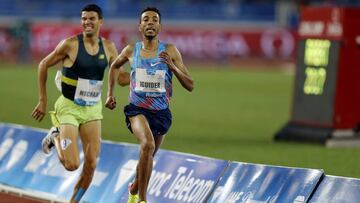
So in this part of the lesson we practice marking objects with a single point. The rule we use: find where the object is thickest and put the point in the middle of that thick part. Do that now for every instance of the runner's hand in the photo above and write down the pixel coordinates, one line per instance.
(39, 111)
(166, 58)
(110, 102)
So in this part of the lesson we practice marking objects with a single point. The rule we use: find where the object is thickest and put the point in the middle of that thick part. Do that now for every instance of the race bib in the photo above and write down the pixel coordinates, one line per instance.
(88, 92)
(153, 82)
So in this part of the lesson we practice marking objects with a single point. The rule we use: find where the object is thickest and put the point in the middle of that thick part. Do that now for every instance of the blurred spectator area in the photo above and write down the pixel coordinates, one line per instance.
(235, 10)
(221, 30)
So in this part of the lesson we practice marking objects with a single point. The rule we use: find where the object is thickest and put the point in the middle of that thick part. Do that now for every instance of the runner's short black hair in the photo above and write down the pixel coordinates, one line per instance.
(95, 8)
(151, 9)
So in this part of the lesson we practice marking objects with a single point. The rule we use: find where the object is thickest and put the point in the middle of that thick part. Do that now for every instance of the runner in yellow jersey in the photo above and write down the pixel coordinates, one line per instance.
(78, 111)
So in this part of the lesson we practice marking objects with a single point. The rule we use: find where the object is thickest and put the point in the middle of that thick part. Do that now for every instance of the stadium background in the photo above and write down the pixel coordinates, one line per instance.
(240, 53)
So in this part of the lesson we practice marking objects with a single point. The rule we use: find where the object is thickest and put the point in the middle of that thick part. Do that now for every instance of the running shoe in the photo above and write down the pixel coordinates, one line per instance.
(48, 141)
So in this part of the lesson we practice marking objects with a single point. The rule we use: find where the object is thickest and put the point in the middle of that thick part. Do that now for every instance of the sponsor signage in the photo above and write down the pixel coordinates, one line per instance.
(244, 182)
(321, 23)
(23, 165)
(116, 169)
(6, 41)
(337, 189)
(178, 177)
(210, 43)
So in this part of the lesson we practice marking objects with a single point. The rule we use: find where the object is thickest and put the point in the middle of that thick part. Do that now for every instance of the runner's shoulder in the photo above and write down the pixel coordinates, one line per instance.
(128, 49)
(69, 42)
(107, 43)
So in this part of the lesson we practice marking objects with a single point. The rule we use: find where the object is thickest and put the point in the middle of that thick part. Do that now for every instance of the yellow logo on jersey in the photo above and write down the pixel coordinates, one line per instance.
(102, 56)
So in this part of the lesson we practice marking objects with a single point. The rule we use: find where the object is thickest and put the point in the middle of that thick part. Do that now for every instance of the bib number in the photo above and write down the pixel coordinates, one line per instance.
(88, 92)
(150, 83)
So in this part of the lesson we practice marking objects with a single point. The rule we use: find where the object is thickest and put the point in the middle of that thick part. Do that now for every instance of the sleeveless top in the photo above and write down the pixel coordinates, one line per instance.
(150, 80)
(82, 82)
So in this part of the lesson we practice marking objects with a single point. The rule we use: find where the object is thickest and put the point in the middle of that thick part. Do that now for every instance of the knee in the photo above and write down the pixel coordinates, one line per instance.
(148, 147)
(71, 165)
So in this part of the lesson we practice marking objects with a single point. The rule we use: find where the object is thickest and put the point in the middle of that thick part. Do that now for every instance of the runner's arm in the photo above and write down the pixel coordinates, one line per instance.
(59, 54)
(173, 59)
(117, 71)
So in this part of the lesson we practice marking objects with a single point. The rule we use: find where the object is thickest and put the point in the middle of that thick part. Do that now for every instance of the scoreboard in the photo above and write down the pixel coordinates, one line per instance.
(316, 82)
(326, 95)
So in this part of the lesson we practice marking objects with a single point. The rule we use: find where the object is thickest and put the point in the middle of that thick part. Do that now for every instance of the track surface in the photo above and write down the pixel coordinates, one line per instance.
(13, 198)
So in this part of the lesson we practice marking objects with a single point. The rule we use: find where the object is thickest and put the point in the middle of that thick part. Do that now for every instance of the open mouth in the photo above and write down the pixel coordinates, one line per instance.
(150, 29)
(88, 28)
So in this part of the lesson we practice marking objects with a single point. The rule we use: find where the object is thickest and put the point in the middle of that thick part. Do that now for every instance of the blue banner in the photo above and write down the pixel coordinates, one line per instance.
(24, 165)
(116, 169)
(244, 182)
(176, 177)
(18, 145)
(179, 177)
(337, 189)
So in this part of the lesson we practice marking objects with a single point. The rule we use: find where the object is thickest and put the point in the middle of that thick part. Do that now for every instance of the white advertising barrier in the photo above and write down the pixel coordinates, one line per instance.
(244, 183)
(337, 189)
(176, 177)
(23, 165)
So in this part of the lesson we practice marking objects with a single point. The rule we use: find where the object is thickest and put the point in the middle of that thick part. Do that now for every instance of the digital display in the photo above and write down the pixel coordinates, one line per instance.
(326, 92)
(317, 52)
(316, 58)
(315, 80)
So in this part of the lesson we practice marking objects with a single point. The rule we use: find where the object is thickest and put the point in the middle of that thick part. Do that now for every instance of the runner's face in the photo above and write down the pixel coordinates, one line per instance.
(149, 24)
(90, 22)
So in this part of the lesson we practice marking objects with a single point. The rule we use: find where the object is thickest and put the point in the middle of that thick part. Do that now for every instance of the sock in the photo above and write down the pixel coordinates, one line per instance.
(79, 194)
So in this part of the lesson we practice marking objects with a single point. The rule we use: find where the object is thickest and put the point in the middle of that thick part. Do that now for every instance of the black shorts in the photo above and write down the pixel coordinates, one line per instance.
(159, 120)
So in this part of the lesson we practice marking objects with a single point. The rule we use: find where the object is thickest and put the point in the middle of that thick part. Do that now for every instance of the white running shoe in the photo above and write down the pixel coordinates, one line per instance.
(48, 141)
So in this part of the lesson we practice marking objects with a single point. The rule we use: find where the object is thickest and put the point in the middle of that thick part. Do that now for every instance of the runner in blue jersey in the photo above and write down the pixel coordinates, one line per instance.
(153, 64)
